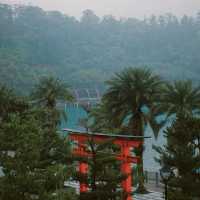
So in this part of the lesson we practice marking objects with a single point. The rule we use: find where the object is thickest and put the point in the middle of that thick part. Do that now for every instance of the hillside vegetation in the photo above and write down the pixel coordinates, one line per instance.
(85, 52)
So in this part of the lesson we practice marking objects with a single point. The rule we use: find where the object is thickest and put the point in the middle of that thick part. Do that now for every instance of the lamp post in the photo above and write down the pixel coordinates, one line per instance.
(166, 173)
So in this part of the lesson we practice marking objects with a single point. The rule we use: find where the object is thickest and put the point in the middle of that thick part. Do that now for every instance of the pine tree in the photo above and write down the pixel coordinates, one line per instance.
(182, 154)
(54, 150)
(19, 155)
(30, 168)
(33, 155)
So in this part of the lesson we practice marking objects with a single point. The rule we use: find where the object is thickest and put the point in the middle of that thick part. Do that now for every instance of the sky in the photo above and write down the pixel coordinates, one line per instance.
(117, 8)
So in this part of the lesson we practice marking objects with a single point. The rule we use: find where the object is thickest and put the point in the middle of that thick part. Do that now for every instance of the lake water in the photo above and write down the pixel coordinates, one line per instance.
(75, 113)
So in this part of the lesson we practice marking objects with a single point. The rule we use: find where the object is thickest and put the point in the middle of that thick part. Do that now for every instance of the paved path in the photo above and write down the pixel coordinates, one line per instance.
(149, 196)
(152, 195)
(151, 186)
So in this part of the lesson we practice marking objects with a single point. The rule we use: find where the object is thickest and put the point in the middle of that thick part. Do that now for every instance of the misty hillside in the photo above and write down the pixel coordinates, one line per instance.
(86, 52)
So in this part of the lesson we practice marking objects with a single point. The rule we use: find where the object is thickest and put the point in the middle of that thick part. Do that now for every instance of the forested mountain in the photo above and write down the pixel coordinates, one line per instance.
(85, 52)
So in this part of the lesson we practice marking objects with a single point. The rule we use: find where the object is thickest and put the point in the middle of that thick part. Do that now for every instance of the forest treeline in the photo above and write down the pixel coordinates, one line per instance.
(85, 52)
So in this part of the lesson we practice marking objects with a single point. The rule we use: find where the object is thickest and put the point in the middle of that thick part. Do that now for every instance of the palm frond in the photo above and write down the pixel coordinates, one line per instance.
(130, 90)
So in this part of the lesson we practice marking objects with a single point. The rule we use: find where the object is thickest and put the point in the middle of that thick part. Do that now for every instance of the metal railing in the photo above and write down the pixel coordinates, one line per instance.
(153, 178)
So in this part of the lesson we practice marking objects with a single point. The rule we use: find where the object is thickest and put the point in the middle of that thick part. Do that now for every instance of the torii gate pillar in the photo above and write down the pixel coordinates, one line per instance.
(126, 169)
(83, 169)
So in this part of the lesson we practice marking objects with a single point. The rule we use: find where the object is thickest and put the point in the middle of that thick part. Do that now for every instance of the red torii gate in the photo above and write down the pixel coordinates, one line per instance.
(125, 142)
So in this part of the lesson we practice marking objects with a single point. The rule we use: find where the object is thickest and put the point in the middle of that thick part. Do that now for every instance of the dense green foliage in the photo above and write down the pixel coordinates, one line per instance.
(49, 91)
(182, 154)
(33, 155)
(180, 97)
(34, 42)
(128, 93)
(10, 103)
(136, 97)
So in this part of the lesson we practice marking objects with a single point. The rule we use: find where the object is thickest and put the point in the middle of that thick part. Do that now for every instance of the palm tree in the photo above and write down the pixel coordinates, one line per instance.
(46, 94)
(131, 98)
(49, 90)
(180, 97)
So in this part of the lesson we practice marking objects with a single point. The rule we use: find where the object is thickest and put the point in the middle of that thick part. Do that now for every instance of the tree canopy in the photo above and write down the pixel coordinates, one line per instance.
(34, 42)
(181, 154)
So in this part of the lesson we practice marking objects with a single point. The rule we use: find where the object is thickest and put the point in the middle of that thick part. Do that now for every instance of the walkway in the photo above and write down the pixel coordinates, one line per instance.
(149, 196)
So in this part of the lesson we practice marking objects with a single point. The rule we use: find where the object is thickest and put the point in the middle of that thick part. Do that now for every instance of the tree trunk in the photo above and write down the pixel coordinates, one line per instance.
(137, 126)
(141, 188)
